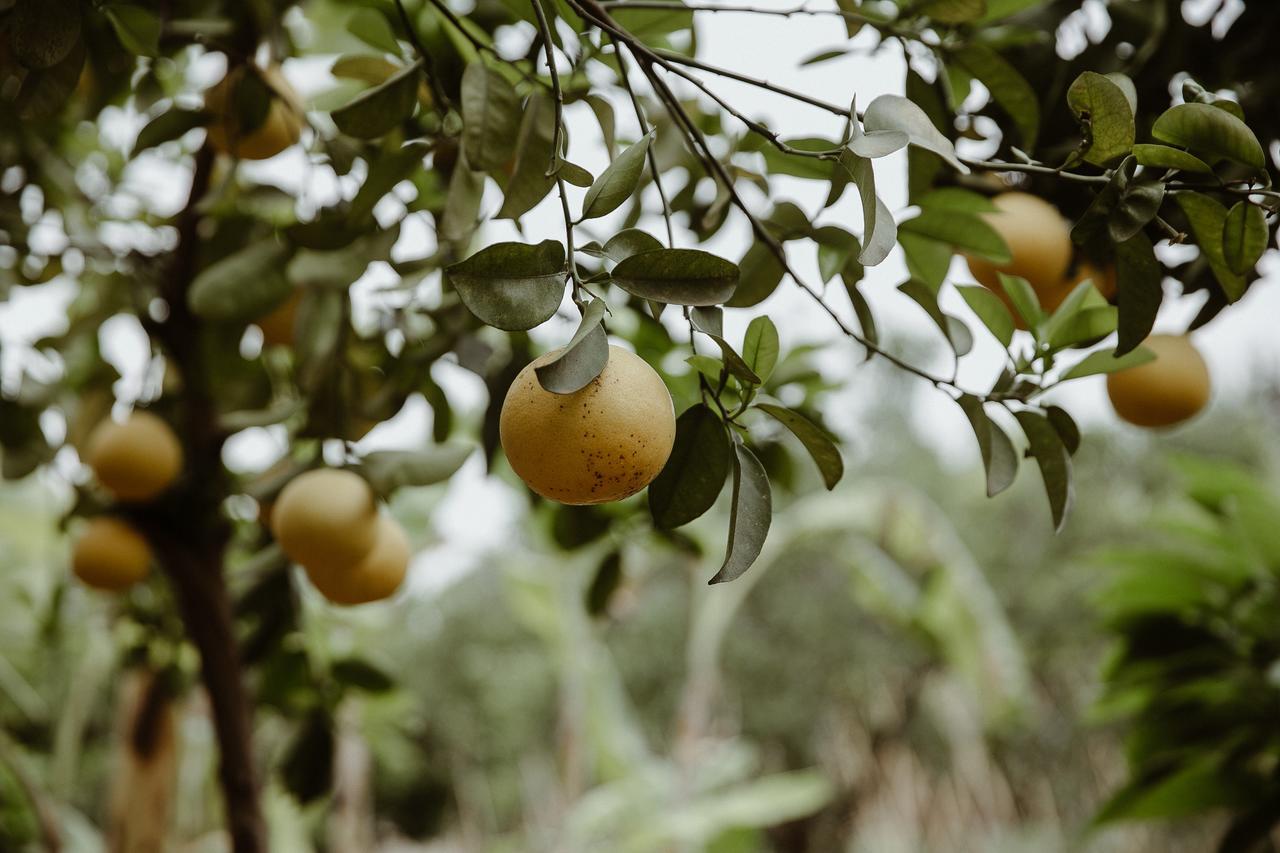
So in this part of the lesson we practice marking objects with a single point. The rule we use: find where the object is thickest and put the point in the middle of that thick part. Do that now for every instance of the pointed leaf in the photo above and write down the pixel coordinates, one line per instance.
(968, 232)
(1216, 134)
(760, 347)
(169, 125)
(1164, 157)
(534, 148)
(1244, 237)
(616, 183)
(820, 446)
(678, 276)
(1055, 463)
(999, 459)
(628, 242)
(1024, 299)
(376, 111)
(1007, 86)
(993, 313)
(896, 113)
(243, 285)
(582, 359)
(691, 480)
(1208, 220)
(490, 118)
(1104, 361)
(750, 516)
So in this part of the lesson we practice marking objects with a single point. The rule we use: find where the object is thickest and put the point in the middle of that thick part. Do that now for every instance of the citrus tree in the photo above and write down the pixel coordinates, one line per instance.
(1058, 180)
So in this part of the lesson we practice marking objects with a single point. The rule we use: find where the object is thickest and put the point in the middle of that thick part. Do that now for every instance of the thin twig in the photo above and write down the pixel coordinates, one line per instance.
(644, 130)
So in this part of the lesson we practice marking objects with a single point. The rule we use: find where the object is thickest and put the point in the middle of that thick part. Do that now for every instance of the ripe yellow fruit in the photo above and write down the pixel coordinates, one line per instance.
(279, 324)
(110, 555)
(1164, 392)
(326, 519)
(602, 443)
(280, 129)
(1039, 241)
(373, 578)
(134, 460)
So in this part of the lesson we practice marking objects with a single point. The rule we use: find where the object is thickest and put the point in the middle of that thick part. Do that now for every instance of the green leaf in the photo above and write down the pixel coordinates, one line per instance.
(1139, 278)
(1104, 361)
(138, 29)
(534, 148)
(820, 446)
(367, 69)
(836, 247)
(389, 169)
(1024, 299)
(490, 118)
(575, 174)
(243, 285)
(378, 110)
(1189, 789)
(880, 232)
(761, 273)
(1066, 427)
(896, 113)
(1008, 87)
(964, 231)
(956, 334)
(1209, 131)
(677, 276)
(956, 200)
(928, 260)
(628, 242)
(1055, 463)
(307, 766)
(604, 584)
(733, 362)
(1244, 237)
(1208, 220)
(582, 359)
(760, 347)
(605, 118)
(362, 675)
(695, 472)
(616, 183)
(953, 11)
(169, 125)
(749, 517)
(1164, 157)
(990, 310)
(389, 470)
(371, 27)
(1104, 112)
(1090, 324)
(999, 459)
(512, 286)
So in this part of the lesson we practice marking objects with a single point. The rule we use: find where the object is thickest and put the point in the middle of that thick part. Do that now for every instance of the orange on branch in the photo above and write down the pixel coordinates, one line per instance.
(602, 443)
(135, 459)
(375, 577)
(1039, 241)
(326, 519)
(110, 555)
(1172, 389)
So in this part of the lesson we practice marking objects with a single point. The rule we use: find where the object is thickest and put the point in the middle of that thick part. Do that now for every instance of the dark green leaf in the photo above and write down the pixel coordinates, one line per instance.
(1206, 130)
(956, 334)
(1139, 278)
(991, 311)
(512, 286)
(169, 125)
(820, 446)
(376, 111)
(928, 260)
(677, 276)
(1208, 220)
(733, 362)
(534, 148)
(575, 174)
(371, 27)
(307, 767)
(1164, 157)
(631, 241)
(1055, 463)
(607, 579)
(1008, 87)
(999, 459)
(362, 675)
(45, 90)
(1066, 427)
(761, 273)
(954, 11)
(243, 285)
(1104, 112)
(964, 231)
(389, 470)
(750, 515)
(760, 347)
(1244, 237)
(582, 359)
(490, 118)
(1024, 299)
(138, 29)
(695, 473)
(43, 33)
(616, 183)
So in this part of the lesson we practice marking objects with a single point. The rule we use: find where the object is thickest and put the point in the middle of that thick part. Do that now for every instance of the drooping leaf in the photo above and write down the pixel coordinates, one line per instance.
(1206, 130)
(1055, 462)
(677, 276)
(733, 361)
(604, 584)
(376, 111)
(1007, 86)
(534, 147)
(896, 113)
(695, 472)
(389, 470)
(999, 459)
(993, 313)
(880, 232)
(836, 247)
(878, 143)
(243, 285)
(490, 118)
(1105, 361)
(956, 333)
(1139, 278)
(761, 273)
(760, 347)
(1208, 220)
(512, 286)
(1106, 115)
(750, 515)
(928, 260)
(307, 767)
(582, 359)
(575, 174)
(616, 183)
(1066, 427)
(1244, 237)
(821, 448)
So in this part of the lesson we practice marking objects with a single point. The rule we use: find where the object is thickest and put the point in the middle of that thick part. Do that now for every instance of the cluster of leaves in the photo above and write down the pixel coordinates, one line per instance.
(1193, 673)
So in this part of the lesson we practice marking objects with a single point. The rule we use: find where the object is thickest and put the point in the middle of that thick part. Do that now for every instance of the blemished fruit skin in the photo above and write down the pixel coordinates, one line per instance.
(280, 129)
(110, 555)
(1039, 241)
(279, 324)
(1161, 393)
(602, 443)
(136, 459)
(373, 578)
(326, 519)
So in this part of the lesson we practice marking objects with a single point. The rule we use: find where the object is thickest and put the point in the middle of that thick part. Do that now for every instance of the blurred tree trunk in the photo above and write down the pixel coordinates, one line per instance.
(146, 768)
(351, 819)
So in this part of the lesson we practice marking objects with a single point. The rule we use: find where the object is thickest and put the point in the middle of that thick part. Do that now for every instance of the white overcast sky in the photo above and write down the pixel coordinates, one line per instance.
(1240, 345)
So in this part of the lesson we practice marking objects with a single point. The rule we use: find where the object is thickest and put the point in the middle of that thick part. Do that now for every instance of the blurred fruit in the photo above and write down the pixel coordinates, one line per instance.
(602, 443)
(326, 519)
(1039, 241)
(373, 578)
(136, 459)
(1172, 389)
(279, 128)
(110, 555)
